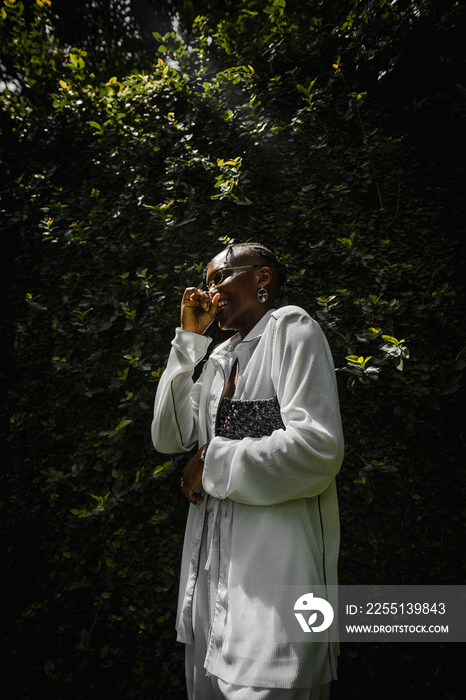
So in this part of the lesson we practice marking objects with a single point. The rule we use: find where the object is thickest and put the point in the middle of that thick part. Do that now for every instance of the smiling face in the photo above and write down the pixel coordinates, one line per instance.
(239, 308)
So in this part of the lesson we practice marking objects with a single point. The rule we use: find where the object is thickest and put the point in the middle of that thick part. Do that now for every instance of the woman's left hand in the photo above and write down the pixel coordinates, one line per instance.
(192, 476)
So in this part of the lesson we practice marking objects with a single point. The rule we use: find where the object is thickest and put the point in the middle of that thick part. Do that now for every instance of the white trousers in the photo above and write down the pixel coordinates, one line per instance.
(202, 687)
(206, 687)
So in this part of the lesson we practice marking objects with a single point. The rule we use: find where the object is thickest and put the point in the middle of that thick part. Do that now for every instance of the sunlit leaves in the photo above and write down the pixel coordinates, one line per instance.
(123, 174)
(306, 92)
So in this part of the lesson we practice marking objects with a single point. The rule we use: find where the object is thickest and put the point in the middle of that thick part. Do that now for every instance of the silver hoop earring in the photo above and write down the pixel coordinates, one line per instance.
(262, 295)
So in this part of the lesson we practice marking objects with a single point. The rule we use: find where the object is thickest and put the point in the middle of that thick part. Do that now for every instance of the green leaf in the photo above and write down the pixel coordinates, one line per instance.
(96, 126)
(123, 424)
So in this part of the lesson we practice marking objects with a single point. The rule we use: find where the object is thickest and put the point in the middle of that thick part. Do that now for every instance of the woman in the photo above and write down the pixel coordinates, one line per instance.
(264, 514)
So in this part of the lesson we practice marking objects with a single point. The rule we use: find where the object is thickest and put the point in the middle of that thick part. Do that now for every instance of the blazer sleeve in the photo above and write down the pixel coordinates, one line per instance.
(175, 421)
(302, 459)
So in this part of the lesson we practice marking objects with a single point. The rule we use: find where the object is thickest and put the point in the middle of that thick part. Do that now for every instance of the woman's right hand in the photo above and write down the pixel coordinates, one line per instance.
(192, 477)
(198, 309)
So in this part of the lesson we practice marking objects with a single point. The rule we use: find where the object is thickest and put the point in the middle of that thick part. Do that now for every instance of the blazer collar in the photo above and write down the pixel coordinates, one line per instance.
(259, 328)
(238, 344)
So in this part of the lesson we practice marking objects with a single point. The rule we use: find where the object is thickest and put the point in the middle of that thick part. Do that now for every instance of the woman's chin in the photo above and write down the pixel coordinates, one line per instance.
(222, 318)
(224, 325)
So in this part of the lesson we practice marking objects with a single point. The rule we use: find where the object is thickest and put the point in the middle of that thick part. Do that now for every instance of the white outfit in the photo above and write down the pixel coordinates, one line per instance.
(269, 517)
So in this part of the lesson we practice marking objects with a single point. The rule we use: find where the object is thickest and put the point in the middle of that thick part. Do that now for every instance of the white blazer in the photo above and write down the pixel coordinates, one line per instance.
(270, 503)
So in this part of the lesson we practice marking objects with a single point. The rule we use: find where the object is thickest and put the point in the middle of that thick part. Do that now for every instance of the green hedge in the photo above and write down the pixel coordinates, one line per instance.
(294, 124)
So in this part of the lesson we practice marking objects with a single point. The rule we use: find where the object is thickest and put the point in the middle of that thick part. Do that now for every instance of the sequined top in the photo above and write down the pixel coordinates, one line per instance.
(240, 419)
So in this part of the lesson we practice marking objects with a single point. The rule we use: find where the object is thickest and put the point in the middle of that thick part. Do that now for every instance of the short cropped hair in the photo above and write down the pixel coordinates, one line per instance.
(259, 250)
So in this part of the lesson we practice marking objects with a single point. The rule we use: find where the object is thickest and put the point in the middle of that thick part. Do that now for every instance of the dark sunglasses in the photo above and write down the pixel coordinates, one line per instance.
(220, 276)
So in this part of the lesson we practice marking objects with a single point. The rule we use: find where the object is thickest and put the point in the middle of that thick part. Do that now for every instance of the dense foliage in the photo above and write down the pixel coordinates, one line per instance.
(132, 151)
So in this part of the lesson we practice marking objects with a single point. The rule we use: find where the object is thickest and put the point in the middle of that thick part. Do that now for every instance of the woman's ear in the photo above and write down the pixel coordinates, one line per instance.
(265, 275)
